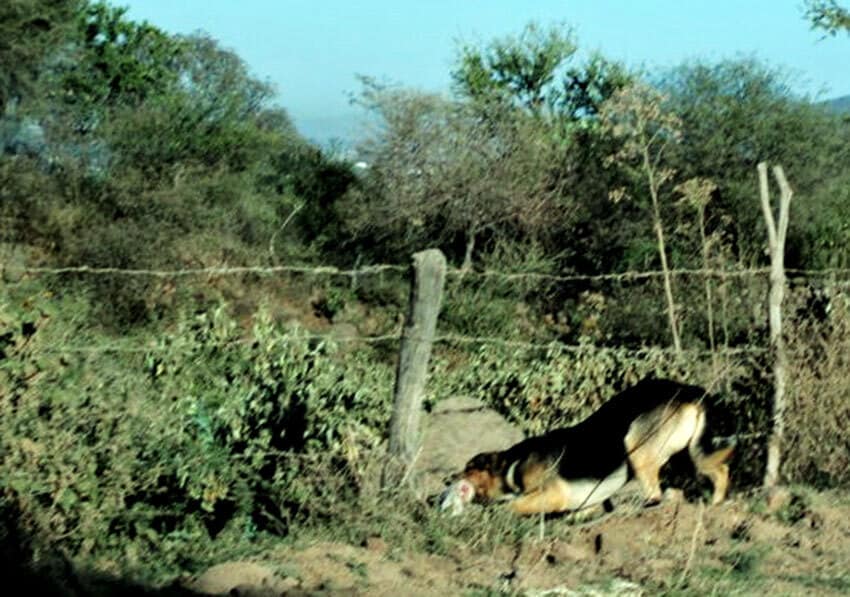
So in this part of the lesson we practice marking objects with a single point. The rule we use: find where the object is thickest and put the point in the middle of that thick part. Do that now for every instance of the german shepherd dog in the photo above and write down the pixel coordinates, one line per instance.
(631, 436)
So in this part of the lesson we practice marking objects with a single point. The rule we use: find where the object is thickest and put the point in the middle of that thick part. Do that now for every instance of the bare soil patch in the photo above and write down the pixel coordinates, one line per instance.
(675, 548)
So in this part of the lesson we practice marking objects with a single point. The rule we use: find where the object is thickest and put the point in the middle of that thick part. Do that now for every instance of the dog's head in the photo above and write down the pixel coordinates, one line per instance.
(486, 473)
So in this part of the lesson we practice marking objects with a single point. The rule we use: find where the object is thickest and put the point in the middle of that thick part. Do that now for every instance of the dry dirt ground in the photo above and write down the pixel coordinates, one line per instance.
(797, 544)
(676, 548)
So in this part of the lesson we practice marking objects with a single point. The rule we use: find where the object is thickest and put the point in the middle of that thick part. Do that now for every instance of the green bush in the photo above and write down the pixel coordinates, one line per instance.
(149, 456)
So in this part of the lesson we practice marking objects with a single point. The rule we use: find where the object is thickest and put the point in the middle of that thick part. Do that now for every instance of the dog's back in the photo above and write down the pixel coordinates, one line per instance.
(595, 447)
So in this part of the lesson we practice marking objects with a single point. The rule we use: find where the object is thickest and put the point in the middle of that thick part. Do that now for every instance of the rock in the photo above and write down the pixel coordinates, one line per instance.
(240, 578)
(457, 429)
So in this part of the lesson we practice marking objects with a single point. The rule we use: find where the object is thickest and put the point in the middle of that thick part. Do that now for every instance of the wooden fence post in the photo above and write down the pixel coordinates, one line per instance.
(776, 241)
(426, 292)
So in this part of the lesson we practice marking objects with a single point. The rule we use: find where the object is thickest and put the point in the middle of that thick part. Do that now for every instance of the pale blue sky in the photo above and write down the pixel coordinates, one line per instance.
(311, 50)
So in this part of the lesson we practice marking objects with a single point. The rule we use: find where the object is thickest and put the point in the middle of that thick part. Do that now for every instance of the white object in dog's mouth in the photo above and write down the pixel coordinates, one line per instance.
(456, 496)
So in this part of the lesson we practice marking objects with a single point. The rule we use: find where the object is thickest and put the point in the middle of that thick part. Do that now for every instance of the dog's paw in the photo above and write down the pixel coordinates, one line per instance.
(652, 502)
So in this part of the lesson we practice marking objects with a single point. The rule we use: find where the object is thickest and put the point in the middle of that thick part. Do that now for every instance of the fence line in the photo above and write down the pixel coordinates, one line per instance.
(620, 276)
(828, 271)
(385, 267)
(206, 271)
(117, 347)
(378, 268)
(442, 338)
(554, 344)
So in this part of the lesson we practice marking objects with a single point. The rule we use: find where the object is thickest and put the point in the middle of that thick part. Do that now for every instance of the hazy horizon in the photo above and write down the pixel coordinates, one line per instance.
(313, 52)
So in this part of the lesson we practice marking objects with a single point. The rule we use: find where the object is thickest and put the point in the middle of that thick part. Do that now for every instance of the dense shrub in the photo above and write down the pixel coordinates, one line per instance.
(209, 430)
(817, 449)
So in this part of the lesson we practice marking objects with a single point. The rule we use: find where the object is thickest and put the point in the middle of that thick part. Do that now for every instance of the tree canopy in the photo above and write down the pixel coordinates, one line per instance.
(828, 16)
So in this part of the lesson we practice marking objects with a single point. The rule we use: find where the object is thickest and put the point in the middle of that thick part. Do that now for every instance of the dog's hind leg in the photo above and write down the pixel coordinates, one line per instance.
(715, 467)
(714, 464)
(654, 437)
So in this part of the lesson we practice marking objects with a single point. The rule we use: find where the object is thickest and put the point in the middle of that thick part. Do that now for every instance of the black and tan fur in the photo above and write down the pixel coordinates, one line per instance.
(631, 436)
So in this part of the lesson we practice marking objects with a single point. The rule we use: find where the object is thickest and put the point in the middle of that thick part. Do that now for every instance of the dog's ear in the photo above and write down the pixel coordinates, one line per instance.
(476, 463)
(486, 461)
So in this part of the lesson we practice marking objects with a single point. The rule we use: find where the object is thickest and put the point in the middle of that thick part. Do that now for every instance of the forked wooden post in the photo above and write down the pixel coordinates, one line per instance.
(426, 293)
(776, 242)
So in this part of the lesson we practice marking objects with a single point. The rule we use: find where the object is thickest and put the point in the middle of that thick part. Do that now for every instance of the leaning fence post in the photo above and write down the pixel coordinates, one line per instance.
(426, 291)
(776, 242)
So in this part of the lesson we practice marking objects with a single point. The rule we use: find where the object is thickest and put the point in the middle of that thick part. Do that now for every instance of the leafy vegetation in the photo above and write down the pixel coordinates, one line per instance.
(828, 16)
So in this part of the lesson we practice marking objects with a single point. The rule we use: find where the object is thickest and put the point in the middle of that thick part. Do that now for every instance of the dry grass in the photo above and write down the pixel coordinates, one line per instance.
(817, 444)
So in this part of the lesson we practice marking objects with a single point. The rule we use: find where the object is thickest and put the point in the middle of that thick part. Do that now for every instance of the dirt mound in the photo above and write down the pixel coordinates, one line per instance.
(241, 578)
(457, 429)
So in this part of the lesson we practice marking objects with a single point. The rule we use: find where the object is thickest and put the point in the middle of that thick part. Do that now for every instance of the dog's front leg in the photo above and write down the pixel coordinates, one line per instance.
(552, 497)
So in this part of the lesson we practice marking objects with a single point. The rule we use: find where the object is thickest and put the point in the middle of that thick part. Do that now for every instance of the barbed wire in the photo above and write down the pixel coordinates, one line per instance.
(386, 267)
(553, 345)
(120, 347)
(373, 269)
(829, 271)
(575, 348)
(206, 271)
(619, 276)
(325, 270)
(454, 272)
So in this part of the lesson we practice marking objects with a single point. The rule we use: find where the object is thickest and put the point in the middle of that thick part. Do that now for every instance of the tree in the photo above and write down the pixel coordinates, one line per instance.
(111, 62)
(30, 30)
(588, 86)
(207, 115)
(828, 16)
(637, 116)
(735, 113)
(440, 170)
(535, 73)
(310, 184)
(515, 69)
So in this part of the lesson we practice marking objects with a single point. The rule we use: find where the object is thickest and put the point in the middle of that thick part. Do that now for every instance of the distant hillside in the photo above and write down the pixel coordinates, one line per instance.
(340, 129)
(839, 104)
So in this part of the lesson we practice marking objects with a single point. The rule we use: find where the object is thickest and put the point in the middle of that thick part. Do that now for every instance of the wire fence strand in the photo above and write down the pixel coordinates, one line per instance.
(380, 268)
(619, 276)
(456, 272)
(553, 345)
(206, 271)
(327, 270)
